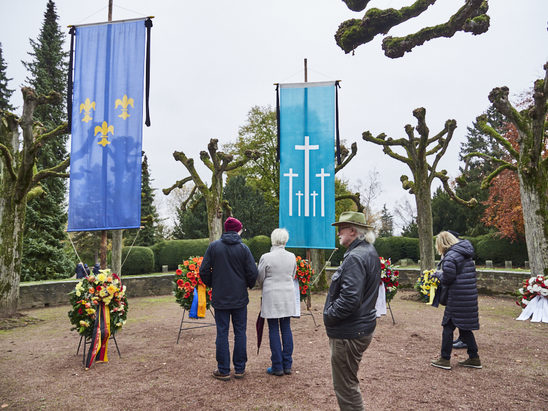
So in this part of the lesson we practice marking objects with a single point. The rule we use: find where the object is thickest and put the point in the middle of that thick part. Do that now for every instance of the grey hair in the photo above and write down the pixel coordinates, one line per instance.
(279, 236)
(366, 234)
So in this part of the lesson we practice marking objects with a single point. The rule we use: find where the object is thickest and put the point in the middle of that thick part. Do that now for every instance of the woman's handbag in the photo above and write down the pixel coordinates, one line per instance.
(444, 293)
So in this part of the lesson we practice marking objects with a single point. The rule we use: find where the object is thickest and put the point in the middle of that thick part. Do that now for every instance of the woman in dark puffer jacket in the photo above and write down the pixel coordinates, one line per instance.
(459, 276)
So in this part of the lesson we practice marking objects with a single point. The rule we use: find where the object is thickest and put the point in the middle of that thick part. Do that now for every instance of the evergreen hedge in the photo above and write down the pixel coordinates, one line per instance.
(173, 252)
(258, 246)
(140, 260)
(499, 250)
(397, 248)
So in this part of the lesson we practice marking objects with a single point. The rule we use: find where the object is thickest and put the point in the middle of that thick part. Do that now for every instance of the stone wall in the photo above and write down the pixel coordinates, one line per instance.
(489, 281)
(53, 293)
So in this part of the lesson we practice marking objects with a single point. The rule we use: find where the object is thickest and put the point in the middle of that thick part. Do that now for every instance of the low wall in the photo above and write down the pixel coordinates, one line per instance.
(53, 293)
(489, 281)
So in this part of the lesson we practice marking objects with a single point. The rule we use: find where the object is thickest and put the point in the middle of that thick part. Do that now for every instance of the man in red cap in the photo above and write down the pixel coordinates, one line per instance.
(229, 269)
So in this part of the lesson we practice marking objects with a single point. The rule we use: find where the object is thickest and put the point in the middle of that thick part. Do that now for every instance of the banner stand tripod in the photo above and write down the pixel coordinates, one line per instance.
(201, 324)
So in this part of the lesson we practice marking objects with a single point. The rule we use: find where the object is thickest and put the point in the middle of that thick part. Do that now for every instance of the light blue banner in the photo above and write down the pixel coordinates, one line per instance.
(107, 118)
(307, 163)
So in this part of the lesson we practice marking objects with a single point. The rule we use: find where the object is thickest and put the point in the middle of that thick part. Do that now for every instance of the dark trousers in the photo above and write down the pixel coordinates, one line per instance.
(281, 351)
(239, 354)
(466, 336)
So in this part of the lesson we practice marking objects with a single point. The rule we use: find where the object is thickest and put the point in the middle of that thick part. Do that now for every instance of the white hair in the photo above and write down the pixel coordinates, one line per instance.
(279, 236)
(366, 234)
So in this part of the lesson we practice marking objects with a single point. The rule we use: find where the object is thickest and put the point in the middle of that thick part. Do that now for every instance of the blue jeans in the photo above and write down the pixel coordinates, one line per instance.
(281, 357)
(239, 354)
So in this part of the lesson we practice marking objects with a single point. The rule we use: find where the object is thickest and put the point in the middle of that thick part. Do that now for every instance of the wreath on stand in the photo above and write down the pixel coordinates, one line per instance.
(390, 278)
(187, 278)
(304, 274)
(89, 293)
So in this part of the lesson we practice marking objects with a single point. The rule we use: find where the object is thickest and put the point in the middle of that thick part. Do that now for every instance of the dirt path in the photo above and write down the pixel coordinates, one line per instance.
(39, 368)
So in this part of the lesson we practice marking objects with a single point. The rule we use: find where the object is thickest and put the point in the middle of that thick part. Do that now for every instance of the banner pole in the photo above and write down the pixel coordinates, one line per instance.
(103, 247)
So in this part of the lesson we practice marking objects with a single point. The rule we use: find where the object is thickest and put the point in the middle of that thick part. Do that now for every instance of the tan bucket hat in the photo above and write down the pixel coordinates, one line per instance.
(354, 218)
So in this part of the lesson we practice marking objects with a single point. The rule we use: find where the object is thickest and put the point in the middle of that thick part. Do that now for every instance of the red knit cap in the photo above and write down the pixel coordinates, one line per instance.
(232, 224)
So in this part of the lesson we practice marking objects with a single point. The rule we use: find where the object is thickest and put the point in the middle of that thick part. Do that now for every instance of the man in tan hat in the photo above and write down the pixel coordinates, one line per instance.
(349, 313)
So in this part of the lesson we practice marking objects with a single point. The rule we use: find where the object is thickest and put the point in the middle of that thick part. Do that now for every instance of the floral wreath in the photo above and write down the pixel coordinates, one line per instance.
(531, 288)
(304, 273)
(187, 277)
(424, 284)
(89, 293)
(390, 278)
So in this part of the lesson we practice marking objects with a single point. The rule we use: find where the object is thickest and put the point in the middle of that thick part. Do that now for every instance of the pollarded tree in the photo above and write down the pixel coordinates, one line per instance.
(418, 151)
(471, 17)
(44, 254)
(219, 163)
(20, 182)
(530, 163)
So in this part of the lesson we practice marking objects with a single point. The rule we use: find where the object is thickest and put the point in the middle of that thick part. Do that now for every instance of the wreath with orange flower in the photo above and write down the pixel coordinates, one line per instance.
(304, 273)
(89, 293)
(187, 278)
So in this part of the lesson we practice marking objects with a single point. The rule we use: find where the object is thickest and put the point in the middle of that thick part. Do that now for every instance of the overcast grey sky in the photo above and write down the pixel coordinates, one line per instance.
(213, 60)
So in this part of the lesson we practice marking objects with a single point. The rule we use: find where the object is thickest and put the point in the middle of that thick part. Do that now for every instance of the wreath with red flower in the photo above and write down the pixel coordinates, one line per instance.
(390, 278)
(187, 277)
(304, 273)
(89, 293)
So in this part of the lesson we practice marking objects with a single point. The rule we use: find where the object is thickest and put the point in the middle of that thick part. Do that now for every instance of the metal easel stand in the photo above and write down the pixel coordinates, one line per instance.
(200, 324)
(392, 315)
(87, 341)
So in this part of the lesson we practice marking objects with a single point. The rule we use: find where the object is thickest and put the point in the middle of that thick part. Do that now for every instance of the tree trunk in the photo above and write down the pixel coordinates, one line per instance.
(117, 251)
(12, 217)
(536, 226)
(318, 262)
(214, 218)
(424, 223)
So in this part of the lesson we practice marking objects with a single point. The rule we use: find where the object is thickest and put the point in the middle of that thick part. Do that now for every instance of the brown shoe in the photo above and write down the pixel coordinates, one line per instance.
(239, 375)
(471, 363)
(220, 376)
(441, 363)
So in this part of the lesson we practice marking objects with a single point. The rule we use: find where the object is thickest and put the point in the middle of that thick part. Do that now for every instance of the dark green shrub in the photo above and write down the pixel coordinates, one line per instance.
(500, 250)
(258, 245)
(397, 248)
(173, 252)
(139, 261)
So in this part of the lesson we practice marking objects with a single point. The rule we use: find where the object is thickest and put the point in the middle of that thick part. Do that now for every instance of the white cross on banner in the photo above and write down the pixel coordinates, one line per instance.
(307, 163)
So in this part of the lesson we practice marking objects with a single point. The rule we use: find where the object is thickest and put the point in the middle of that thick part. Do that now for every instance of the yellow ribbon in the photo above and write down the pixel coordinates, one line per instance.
(201, 301)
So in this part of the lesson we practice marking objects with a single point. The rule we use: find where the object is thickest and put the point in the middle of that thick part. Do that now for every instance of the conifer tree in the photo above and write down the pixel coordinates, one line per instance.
(44, 255)
(5, 92)
(149, 214)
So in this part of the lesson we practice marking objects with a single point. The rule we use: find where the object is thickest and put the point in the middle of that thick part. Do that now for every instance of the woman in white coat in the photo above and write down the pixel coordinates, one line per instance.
(276, 273)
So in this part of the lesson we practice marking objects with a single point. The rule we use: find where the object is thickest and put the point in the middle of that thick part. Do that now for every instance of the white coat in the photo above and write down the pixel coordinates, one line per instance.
(276, 273)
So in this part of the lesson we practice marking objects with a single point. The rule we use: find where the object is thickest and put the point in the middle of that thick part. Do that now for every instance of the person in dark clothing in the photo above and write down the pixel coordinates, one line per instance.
(458, 274)
(96, 268)
(81, 270)
(229, 269)
(349, 313)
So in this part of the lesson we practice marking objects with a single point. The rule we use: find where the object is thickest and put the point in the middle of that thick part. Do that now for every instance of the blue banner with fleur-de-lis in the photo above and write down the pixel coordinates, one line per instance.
(107, 117)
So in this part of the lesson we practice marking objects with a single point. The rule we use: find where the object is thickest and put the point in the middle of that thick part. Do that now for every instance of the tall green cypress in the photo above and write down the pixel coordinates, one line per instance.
(44, 249)
(5, 92)
(149, 214)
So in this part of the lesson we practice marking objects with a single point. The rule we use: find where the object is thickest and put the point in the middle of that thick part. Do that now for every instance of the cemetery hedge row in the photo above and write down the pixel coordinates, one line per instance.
(143, 260)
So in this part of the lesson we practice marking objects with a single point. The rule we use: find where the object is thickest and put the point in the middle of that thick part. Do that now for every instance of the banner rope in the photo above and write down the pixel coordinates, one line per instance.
(314, 280)
(130, 248)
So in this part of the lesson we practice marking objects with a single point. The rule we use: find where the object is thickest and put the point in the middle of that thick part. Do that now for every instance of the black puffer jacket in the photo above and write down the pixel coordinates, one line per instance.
(459, 275)
(349, 310)
(229, 269)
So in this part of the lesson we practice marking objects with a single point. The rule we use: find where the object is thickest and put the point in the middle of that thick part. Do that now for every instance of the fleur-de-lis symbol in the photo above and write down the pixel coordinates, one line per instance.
(87, 106)
(104, 129)
(124, 102)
